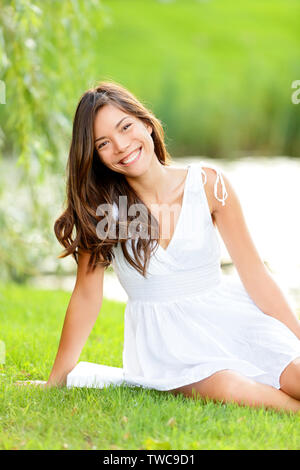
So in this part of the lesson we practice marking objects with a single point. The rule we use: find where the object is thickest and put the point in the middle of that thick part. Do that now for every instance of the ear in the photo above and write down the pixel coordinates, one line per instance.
(149, 128)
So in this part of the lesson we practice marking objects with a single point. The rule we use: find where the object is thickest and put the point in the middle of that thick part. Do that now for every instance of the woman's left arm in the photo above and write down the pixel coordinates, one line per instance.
(255, 276)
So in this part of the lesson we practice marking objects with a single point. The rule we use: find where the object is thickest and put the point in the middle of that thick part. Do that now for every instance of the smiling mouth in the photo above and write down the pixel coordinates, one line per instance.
(132, 158)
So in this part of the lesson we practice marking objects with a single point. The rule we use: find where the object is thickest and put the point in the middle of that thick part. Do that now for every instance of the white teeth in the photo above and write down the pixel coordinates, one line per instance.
(133, 157)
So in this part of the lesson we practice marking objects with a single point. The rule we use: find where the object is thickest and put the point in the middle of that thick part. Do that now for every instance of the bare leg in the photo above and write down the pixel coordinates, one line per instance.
(290, 379)
(230, 386)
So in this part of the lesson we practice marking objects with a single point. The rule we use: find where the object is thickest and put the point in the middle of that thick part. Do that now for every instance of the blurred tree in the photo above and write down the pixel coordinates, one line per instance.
(44, 66)
(41, 45)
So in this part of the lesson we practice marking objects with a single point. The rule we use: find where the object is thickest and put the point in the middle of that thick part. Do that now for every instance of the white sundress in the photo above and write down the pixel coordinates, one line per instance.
(188, 320)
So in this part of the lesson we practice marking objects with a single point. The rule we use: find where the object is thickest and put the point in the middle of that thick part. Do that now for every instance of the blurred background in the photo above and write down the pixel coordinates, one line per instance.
(221, 76)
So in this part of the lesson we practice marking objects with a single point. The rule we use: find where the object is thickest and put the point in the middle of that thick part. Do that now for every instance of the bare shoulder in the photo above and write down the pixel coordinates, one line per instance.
(210, 179)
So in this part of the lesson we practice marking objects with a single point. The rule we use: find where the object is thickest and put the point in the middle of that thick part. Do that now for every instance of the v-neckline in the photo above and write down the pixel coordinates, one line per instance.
(166, 250)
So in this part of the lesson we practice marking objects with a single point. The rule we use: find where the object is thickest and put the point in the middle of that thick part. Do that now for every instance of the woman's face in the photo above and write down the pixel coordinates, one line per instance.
(123, 142)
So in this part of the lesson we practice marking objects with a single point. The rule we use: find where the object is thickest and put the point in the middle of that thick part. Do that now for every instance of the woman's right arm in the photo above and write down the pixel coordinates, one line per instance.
(81, 315)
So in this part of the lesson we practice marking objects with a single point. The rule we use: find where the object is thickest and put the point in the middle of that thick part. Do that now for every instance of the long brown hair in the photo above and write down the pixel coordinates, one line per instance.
(90, 183)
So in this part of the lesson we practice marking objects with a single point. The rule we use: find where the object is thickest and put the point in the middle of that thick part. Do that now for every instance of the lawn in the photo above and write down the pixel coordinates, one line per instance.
(111, 418)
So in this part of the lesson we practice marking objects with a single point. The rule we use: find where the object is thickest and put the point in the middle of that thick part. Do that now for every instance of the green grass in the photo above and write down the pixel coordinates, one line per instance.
(111, 418)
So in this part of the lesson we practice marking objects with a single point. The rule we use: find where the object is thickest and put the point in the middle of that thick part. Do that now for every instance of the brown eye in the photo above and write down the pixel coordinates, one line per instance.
(101, 144)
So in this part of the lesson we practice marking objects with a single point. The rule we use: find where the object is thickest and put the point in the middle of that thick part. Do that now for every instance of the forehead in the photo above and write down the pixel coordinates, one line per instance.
(109, 114)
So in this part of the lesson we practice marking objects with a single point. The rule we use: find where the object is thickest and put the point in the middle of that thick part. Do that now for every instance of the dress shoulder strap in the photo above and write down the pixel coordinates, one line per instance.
(219, 178)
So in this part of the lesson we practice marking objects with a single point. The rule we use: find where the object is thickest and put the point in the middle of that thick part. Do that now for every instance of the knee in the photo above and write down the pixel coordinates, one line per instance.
(230, 386)
(290, 378)
(227, 385)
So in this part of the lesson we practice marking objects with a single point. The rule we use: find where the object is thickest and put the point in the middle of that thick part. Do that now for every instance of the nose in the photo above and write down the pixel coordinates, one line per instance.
(121, 144)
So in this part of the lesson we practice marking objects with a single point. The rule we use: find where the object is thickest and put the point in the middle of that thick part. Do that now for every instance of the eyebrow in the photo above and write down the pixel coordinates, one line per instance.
(116, 126)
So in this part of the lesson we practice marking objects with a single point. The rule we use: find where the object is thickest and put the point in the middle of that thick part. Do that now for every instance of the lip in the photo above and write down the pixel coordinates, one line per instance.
(135, 160)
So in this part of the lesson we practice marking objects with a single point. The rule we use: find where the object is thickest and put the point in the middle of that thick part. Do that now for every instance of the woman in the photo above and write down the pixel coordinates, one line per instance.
(188, 328)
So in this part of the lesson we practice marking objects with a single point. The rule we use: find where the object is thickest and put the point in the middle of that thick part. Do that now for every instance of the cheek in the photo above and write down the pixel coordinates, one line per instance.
(147, 138)
(103, 153)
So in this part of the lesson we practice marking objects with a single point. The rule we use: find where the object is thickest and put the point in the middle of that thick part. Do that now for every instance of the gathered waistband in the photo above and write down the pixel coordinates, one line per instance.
(173, 285)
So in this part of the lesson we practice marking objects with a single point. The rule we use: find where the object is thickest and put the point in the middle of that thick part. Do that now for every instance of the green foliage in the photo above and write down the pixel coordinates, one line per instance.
(43, 56)
(28, 208)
